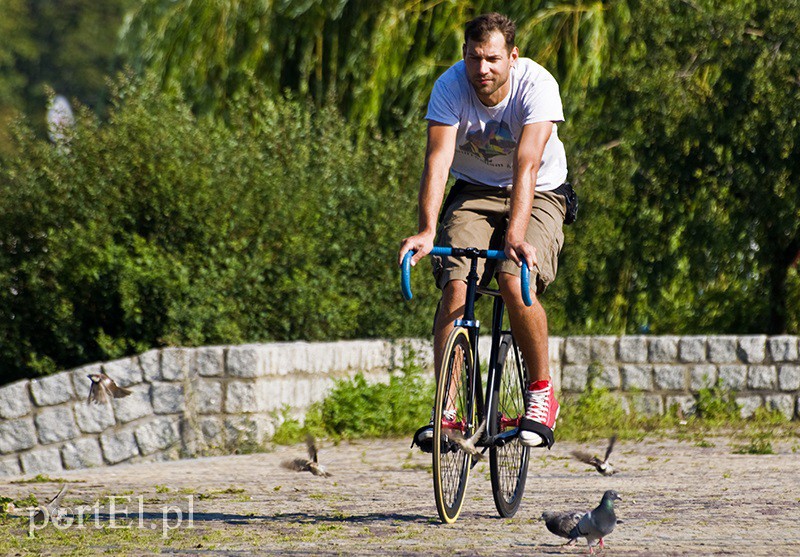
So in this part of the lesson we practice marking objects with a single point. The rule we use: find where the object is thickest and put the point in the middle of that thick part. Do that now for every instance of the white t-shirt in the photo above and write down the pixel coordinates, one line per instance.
(487, 135)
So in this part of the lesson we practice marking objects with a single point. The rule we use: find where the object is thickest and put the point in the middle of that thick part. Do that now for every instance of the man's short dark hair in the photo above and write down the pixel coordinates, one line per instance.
(479, 29)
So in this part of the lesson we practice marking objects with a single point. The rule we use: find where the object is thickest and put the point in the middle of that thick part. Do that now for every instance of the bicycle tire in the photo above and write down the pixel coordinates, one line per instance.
(451, 466)
(508, 464)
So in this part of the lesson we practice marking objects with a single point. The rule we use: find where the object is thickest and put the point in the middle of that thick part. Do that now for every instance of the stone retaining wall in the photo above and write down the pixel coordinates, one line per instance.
(197, 401)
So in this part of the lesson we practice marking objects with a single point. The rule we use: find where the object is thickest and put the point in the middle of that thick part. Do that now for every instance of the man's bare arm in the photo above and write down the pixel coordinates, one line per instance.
(438, 158)
(527, 159)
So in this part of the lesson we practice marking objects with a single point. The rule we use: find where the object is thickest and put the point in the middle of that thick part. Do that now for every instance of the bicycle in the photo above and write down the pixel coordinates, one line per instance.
(459, 389)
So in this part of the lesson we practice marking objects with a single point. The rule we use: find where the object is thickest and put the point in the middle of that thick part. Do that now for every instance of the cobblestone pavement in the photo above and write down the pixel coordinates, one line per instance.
(679, 499)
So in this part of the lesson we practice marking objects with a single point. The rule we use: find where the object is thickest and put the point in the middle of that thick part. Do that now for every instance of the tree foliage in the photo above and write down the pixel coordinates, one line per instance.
(376, 60)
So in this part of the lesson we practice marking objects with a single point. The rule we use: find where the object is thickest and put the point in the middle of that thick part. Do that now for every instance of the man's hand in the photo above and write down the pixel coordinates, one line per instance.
(421, 243)
(519, 251)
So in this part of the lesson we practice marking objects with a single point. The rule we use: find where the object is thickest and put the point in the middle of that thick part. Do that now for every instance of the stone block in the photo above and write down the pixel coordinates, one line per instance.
(633, 349)
(663, 349)
(752, 349)
(82, 453)
(670, 378)
(210, 361)
(208, 397)
(722, 349)
(125, 372)
(782, 403)
(157, 435)
(685, 403)
(748, 405)
(56, 424)
(692, 349)
(15, 401)
(41, 461)
(573, 378)
(637, 378)
(702, 376)
(93, 418)
(577, 350)
(241, 397)
(241, 431)
(762, 377)
(118, 446)
(789, 378)
(17, 435)
(647, 405)
(168, 398)
(53, 389)
(783, 348)
(150, 363)
(176, 363)
(9, 466)
(81, 381)
(608, 377)
(134, 406)
(248, 360)
(733, 376)
(212, 431)
(604, 349)
(555, 349)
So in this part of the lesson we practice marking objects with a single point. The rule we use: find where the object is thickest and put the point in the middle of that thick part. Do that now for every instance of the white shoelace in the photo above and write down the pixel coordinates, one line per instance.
(538, 405)
(447, 415)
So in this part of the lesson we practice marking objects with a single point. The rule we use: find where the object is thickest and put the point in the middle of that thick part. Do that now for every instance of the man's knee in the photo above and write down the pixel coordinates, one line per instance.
(511, 288)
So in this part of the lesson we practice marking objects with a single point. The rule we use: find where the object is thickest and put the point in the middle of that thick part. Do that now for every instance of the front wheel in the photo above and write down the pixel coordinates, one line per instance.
(454, 409)
(508, 463)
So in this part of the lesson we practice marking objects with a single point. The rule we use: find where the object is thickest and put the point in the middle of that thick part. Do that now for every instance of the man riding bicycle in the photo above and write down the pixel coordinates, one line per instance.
(492, 124)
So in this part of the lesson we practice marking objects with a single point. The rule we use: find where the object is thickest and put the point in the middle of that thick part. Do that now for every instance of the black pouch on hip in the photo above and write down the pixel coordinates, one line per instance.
(569, 194)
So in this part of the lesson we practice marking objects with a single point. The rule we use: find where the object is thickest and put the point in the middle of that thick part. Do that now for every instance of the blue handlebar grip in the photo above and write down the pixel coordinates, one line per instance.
(526, 285)
(405, 276)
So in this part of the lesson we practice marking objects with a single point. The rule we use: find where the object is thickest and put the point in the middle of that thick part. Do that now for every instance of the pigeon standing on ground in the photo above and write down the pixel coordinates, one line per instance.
(51, 508)
(599, 523)
(562, 523)
(309, 464)
(103, 388)
(602, 466)
(468, 444)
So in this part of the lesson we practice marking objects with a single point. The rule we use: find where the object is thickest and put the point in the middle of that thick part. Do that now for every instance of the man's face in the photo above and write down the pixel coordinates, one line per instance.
(488, 67)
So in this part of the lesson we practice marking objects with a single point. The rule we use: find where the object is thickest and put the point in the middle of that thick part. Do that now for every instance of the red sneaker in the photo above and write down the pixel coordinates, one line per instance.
(541, 413)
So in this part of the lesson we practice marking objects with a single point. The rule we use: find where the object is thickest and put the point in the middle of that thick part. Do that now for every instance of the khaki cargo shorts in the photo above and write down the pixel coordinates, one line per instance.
(477, 216)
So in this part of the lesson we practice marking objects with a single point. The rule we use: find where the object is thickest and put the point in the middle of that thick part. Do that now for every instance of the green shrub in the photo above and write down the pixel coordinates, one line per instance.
(158, 228)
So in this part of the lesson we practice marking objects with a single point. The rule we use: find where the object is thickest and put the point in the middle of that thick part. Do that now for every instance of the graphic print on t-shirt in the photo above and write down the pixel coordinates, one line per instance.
(495, 140)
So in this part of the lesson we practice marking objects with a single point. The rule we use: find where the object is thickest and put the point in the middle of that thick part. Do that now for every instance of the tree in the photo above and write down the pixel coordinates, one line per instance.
(693, 196)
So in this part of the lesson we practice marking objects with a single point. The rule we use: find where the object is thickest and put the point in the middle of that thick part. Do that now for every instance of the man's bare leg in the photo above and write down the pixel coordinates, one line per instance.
(454, 297)
(529, 325)
(530, 331)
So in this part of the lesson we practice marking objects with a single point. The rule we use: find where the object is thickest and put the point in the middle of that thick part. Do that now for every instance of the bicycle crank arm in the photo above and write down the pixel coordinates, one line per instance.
(501, 439)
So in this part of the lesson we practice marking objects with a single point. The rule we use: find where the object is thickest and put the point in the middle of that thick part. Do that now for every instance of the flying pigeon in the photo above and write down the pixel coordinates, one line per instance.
(599, 523)
(50, 510)
(602, 466)
(468, 444)
(562, 523)
(103, 388)
(309, 464)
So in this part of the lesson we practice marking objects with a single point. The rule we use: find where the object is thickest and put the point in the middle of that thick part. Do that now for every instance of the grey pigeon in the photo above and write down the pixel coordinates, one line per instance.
(103, 389)
(598, 523)
(51, 508)
(602, 466)
(562, 523)
(468, 444)
(310, 464)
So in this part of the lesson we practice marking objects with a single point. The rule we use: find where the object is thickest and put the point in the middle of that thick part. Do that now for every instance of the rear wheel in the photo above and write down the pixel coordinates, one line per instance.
(454, 409)
(508, 463)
